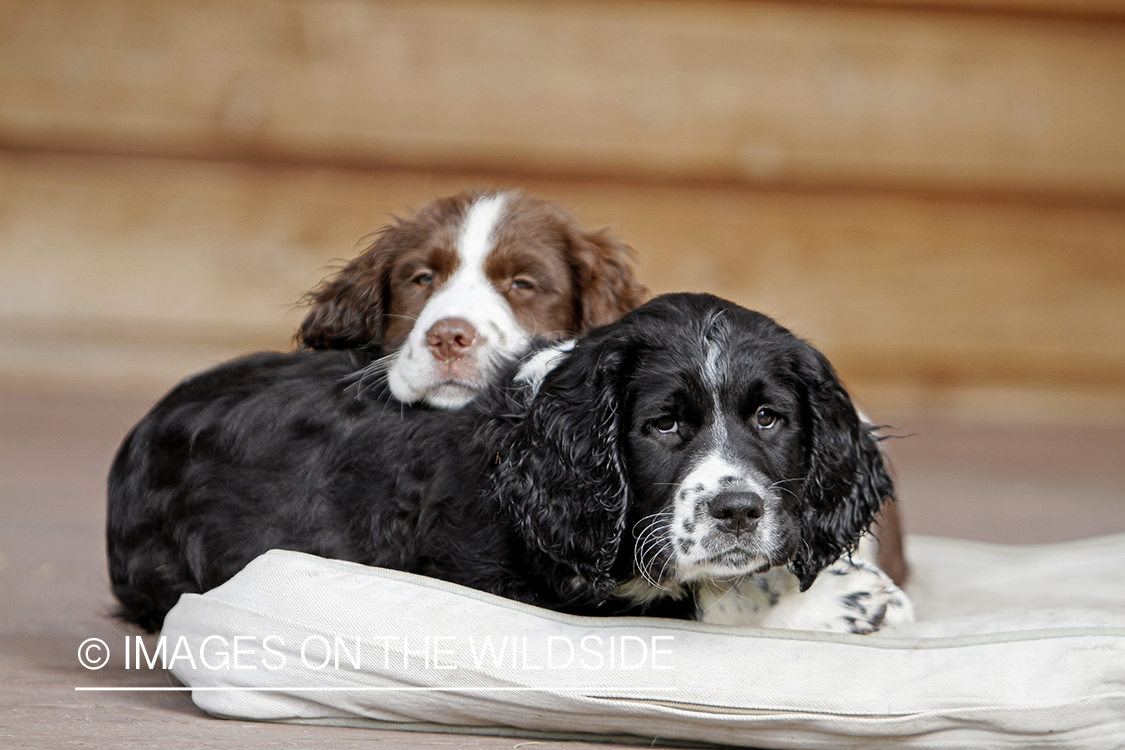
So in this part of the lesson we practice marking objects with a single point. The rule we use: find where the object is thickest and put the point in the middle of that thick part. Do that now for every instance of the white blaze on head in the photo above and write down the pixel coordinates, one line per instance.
(476, 239)
(415, 375)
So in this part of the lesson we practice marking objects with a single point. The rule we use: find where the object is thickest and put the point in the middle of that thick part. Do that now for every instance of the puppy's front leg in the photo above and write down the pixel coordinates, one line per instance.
(849, 596)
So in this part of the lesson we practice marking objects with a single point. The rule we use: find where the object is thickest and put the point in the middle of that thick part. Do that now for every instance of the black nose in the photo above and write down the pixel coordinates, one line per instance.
(736, 512)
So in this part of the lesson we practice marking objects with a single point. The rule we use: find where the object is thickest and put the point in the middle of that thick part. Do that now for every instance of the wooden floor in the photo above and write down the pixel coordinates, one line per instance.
(1006, 484)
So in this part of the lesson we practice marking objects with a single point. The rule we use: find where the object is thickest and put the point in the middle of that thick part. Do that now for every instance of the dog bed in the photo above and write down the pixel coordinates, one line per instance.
(1020, 647)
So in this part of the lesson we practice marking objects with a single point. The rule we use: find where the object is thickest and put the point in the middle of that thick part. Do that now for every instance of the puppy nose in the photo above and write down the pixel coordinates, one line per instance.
(736, 512)
(450, 338)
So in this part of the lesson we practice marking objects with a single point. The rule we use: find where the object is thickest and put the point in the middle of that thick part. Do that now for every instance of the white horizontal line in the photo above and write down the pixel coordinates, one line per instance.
(597, 689)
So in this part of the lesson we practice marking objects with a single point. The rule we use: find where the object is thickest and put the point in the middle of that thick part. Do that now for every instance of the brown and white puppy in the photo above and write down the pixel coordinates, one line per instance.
(454, 291)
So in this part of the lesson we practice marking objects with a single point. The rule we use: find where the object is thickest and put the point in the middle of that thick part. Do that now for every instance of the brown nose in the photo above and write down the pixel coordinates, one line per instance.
(450, 338)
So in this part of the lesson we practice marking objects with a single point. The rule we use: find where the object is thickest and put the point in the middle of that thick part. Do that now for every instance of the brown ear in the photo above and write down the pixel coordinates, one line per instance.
(347, 309)
(603, 269)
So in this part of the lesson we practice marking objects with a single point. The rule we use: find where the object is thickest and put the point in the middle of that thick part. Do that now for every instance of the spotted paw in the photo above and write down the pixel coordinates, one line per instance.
(849, 596)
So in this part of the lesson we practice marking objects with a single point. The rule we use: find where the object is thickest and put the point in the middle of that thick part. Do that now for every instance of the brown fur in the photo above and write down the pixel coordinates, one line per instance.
(370, 304)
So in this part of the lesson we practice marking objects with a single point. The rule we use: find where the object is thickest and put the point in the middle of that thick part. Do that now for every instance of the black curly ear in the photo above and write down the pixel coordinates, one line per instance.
(347, 309)
(847, 480)
(562, 476)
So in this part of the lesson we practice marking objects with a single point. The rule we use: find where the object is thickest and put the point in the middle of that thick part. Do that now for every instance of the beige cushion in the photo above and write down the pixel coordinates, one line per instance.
(1014, 647)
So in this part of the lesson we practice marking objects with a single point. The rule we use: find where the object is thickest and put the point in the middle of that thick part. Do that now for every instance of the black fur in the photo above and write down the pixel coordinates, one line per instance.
(534, 493)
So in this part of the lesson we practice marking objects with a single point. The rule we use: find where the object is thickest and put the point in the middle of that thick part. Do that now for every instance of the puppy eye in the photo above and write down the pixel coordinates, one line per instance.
(666, 425)
(766, 419)
(424, 279)
(523, 283)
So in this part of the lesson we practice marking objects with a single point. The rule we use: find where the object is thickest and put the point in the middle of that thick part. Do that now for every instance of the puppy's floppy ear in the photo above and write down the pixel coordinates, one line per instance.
(562, 476)
(347, 309)
(603, 271)
(847, 480)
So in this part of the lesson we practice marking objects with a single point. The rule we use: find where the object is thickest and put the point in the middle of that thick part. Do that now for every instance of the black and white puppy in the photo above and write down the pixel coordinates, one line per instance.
(692, 459)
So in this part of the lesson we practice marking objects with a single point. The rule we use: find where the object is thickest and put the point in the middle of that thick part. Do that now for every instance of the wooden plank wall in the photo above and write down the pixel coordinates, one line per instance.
(933, 192)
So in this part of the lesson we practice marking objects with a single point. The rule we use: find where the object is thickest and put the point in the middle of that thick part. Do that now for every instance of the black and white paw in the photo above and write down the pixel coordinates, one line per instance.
(847, 597)
(857, 597)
